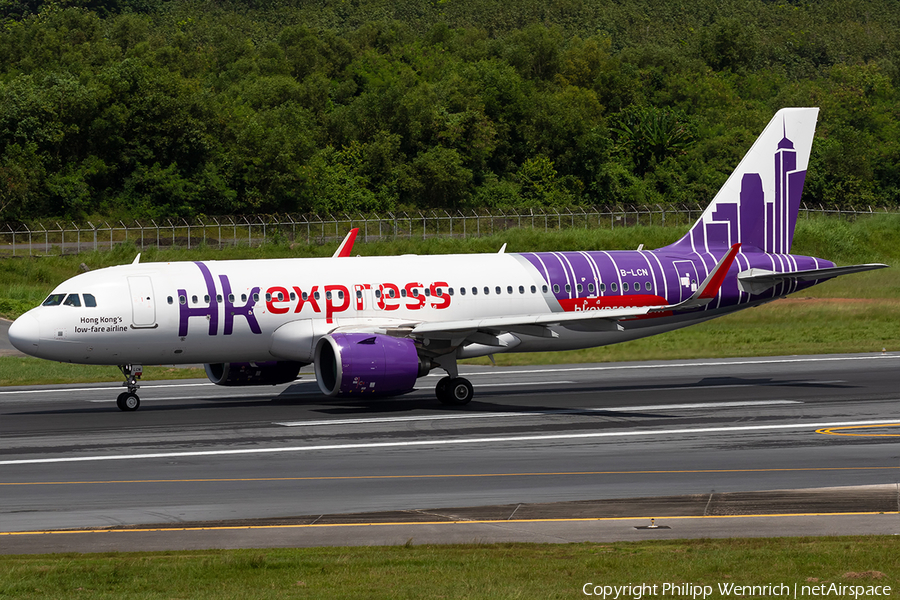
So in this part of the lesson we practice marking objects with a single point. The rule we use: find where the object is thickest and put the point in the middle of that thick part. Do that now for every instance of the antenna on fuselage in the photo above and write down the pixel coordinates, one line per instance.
(502, 249)
(137, 259)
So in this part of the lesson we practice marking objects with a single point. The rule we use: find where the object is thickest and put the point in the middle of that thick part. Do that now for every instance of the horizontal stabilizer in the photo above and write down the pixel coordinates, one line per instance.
(757, 281)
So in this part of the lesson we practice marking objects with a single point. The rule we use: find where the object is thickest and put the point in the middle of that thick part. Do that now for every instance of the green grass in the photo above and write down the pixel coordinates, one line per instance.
(496, 571)
(25, 370)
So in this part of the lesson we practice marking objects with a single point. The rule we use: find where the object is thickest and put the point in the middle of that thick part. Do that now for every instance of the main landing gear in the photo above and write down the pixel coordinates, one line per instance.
(454, 390)
(129, 401)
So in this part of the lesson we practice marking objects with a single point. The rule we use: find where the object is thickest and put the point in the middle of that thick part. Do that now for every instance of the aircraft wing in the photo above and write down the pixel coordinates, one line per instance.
(756, 281)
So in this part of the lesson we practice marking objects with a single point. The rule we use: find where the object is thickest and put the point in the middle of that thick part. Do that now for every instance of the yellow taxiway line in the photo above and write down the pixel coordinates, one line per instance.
(838, 430)
(432, 523)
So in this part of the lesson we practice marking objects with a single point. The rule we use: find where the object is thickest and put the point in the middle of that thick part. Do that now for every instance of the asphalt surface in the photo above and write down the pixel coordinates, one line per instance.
(6, 349)
(543, 453)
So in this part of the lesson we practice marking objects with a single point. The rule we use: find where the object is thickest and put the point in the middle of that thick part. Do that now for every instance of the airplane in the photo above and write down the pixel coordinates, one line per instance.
(373, 325)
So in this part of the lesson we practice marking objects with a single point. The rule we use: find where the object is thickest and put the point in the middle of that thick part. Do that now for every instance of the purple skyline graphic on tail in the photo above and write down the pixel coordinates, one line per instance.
(759, 223)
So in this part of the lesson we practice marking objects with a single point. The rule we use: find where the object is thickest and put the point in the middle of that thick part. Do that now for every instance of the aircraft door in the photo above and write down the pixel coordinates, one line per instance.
(143, 309)
(687, 278)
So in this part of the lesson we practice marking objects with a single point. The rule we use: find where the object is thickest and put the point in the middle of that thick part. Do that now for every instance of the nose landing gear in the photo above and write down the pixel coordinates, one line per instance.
(129, 401)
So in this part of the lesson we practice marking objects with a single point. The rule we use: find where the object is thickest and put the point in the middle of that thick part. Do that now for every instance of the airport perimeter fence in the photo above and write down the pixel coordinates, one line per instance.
(54, 238)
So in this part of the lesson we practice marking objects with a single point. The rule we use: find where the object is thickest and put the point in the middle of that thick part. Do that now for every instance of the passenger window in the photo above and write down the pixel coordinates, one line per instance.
(403, 293)
(415, 292)
(256, 297)
(206, 298)
(624, 286)
(543, 289)
(377, 294)
(509, 289)
(305, 296)
(268, 297)
(521, 289)
(579, 288)
(218, 297)
(169, 300)
(614, 286)
(280, 297)
(648, 286)
(231, 297)
(568, 288)
(73, 300)
(637, 286)
(358, 295)
(602, 288)
(437, 292)
(182, 300)
(243, 297)
(328, 295)
(427, 291)
(340, 294)
(555, 288)
(316, 295)
(91, 302)
(391, 293)
(487, 290)
(533, 290)
(462, 291)
(193, 299)
(54, 300)
(292, 296)
(474, 291)
(591, 288)
(497, 290)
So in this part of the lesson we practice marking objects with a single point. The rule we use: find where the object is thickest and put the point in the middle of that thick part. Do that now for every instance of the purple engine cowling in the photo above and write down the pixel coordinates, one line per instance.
(258, 373)
(366, 364)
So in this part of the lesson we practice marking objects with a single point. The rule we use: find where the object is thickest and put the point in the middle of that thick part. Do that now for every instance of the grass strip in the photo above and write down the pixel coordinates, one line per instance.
(495, 571)
(25, 370)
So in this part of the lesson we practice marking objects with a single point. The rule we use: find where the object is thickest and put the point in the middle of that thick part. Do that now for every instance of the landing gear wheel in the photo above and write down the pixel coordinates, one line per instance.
(456, 391)
(440, 390)
(128, 401)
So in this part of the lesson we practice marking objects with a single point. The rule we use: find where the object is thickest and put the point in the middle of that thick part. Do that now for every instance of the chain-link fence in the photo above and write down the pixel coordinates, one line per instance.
(53, 238)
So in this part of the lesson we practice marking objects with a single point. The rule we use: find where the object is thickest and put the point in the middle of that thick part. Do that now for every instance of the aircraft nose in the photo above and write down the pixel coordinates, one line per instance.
(24, 333)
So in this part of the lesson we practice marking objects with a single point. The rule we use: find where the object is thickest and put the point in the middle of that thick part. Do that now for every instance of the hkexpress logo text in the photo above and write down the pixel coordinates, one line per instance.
(280, 300)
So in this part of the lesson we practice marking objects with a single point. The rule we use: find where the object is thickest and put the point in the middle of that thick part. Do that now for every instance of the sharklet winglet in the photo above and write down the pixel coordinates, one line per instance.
(346, 246)
(710, 287)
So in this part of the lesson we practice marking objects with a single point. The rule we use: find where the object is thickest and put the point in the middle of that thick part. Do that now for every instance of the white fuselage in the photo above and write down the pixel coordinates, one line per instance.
(227, 311)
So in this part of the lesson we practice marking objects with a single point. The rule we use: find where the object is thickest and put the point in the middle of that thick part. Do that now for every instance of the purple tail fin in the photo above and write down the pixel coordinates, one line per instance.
(759, 203)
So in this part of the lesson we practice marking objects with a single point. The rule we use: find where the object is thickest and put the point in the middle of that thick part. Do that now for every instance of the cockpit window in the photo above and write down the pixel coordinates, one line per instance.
(72, 300)
(54, 300)
(91, 302)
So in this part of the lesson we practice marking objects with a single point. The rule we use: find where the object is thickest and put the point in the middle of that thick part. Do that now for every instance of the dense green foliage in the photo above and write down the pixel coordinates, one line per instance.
(150, 108)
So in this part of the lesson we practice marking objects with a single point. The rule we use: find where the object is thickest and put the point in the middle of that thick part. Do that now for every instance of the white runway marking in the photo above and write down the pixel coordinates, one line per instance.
(538, 413)
(454, 442)
(684, 365)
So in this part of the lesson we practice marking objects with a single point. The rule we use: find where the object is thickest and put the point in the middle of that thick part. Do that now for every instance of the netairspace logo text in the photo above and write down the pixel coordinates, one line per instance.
(698, 592)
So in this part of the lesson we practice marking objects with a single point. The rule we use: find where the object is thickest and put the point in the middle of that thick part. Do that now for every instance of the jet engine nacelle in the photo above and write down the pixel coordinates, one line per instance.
(366, 364)
(258, 373)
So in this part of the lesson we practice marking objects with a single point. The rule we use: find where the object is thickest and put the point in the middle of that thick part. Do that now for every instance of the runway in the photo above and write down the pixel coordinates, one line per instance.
(540, 440)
